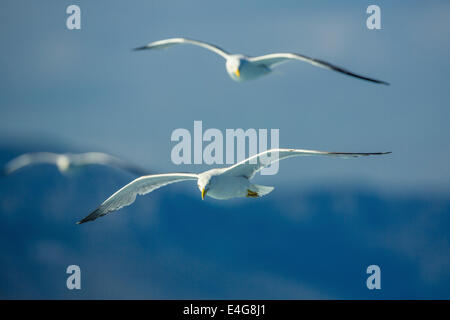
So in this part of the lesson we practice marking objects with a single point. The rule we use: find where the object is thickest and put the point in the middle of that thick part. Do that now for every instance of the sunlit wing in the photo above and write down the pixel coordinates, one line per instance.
(271, 60)
(140, 186)
(30, 159)
(90, 158)
(250, 166)
(162, 44)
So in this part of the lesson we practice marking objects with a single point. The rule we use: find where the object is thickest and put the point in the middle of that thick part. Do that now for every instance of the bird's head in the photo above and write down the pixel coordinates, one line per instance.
(204, 185)
(63, 163)
(234, 66)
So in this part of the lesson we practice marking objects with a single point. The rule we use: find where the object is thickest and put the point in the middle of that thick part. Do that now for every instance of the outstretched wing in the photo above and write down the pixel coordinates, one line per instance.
(273, 59)
(30, 159)
(100, 158)
(252, 165)
(139, 186)
(162, 44)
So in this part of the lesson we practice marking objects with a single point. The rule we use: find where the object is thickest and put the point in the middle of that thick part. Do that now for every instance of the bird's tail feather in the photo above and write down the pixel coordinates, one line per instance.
(262, 190)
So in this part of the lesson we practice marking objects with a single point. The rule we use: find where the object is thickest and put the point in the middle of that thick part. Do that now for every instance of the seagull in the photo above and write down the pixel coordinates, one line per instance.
(242, 68)
(223, 183)
(69, 161)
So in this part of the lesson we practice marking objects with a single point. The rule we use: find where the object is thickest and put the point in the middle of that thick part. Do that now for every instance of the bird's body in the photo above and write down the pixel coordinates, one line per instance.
(69, 162)
(242, 68)
(223, 187)
(221, 184)
(247, 69)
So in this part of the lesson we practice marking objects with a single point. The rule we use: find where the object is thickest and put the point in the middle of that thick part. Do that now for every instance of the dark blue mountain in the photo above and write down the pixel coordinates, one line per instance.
(292, 244)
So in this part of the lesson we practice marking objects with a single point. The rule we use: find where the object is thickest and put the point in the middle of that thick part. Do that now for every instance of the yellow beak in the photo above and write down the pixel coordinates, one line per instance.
(238, 73)
(203, 194)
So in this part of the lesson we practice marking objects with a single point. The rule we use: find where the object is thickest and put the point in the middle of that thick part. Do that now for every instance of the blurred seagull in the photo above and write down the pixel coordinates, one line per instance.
(242, 68)
(68, 161)
(224, 183)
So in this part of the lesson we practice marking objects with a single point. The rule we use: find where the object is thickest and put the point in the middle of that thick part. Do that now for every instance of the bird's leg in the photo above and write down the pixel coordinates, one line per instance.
(252, 194)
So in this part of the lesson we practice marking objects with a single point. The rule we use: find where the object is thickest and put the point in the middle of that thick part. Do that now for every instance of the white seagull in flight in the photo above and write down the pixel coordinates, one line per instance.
(67, 161)
(224, 183)
(243, 68)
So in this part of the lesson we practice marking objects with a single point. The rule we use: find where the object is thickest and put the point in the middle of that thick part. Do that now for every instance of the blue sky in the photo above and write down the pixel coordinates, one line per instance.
(326, 220)
(87, 87)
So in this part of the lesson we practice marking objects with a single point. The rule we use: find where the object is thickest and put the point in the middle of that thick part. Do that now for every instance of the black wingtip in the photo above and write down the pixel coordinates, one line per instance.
(82, 221)
(91, 217)
(379, 82)
(373, 80)
(140, 48)
(379, 153)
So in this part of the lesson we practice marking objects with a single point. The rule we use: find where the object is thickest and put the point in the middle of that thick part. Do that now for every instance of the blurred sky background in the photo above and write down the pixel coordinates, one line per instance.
(86, 90)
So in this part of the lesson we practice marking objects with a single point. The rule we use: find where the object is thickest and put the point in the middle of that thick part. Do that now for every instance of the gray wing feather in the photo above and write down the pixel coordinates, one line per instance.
(140, 186)
(252, 165)
(273, 59)
(30, 159)
(166, 43)
(90, 158)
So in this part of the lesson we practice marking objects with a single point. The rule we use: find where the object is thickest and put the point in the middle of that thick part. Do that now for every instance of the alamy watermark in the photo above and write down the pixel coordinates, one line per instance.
(73, 22)
(374, 280)
(74, 280)
(373, 22)
(213, 147)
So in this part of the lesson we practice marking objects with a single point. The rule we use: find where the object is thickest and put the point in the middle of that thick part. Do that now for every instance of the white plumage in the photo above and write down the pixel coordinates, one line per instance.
(68, 161)
(224, 183)
(242, 68)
